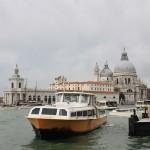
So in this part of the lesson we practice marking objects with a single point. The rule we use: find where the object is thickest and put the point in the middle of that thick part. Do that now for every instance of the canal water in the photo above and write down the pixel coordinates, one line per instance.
(16, 134)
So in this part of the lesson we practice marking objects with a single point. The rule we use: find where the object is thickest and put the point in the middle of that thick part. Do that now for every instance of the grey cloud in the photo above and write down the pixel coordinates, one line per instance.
(63, 37)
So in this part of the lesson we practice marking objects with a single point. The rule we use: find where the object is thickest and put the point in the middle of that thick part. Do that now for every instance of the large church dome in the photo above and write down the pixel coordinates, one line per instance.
(124, 65)
(106, 72)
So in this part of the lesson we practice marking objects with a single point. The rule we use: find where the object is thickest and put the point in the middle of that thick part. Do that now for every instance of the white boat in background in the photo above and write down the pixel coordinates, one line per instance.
(125, 112)
(142, 104)
(8, 107)
(24, 107)
(107, 104)
(73, 113)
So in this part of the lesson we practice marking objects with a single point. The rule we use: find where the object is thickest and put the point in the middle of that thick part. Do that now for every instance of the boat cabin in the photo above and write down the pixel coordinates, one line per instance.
(109, 104)
(77, 99)
(69, 105)
(142, 104)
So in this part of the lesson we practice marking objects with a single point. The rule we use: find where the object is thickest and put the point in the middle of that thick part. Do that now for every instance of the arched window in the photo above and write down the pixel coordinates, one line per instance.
(39, 98)
(19, 85)
(129, 91)
(49, 100)
(117, 81)
(12, 85)
(53, 99)
(30, 98)
(34, 98)
(125, 80)
(45, 98)
(129, 80)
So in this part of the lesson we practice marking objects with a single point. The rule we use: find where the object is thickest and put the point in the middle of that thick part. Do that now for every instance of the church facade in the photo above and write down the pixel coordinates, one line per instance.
(124, 79)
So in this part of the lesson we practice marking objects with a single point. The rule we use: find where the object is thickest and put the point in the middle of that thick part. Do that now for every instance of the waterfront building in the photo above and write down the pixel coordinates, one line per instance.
(103, 90)
(18, 91)
(124, 79)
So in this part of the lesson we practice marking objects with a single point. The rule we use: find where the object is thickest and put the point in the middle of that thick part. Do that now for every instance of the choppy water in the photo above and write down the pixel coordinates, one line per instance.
(16, 134)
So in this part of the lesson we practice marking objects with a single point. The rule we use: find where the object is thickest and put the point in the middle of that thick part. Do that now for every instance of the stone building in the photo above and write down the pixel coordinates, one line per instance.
(124, 79)
(17, 91)
(103, 90)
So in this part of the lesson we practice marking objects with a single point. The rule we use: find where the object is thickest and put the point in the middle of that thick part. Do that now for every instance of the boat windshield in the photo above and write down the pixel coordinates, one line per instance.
(111, 103)
(69, 97)
(58, 97)
(85, 98)
(139, 102)
(147, 102)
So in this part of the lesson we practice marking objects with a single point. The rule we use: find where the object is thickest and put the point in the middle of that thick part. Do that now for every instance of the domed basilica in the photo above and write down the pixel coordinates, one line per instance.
(124, 79)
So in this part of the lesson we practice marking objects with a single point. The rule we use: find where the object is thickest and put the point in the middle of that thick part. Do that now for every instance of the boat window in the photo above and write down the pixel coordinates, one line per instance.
(84, 113)
(90, 112)
(73, 114)
(101, 112)
(62, 112)
(79, 113)
(49, 111)
(102, 104)
(140, 103)
(71, 98)
(58, 97)
(146, 102)
(111, 104)
(84, 98)
(35, 111)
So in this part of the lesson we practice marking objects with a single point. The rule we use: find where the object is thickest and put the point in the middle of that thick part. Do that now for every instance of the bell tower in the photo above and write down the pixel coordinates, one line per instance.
(16, 81)
(96, 73)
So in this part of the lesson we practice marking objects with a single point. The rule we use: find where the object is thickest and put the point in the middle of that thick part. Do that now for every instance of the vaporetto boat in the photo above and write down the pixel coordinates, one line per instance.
(73, 113)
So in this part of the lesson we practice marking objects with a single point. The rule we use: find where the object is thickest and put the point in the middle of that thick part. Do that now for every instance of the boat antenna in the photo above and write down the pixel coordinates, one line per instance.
(35, 90)
(64, 85)
(26, 89)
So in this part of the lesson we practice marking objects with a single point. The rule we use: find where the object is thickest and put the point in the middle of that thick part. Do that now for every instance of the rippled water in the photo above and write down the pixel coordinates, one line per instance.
(16, 134)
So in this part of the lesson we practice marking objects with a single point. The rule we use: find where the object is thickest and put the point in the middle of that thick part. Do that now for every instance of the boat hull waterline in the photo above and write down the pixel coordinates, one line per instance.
(53, 128)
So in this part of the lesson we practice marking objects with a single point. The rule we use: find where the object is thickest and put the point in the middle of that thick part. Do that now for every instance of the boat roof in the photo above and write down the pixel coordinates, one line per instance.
(64, 107)
(106, 101)
(66, 92)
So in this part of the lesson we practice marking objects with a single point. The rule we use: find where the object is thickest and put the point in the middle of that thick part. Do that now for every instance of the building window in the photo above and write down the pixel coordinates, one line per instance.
(39, 98)
(12, 85)
(53, 99)
(128, 80)
(49, 100)
(117, 81)
(125, 81)
(19, 85)
(34, 98)
(45, 98)
(30, 98)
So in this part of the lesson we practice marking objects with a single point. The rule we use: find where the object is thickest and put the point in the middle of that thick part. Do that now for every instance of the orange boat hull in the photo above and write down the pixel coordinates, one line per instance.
(51, 128)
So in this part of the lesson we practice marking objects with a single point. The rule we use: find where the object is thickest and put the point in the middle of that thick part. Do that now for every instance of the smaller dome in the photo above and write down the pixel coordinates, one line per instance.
(106, 72)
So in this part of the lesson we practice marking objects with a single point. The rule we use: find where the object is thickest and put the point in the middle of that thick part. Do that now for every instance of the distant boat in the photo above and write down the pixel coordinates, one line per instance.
(142, 103)
(74, 113)
(107, 104)
(125, 112)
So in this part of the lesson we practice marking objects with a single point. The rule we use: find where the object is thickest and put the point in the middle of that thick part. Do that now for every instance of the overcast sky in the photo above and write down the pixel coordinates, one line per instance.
(49, 38)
